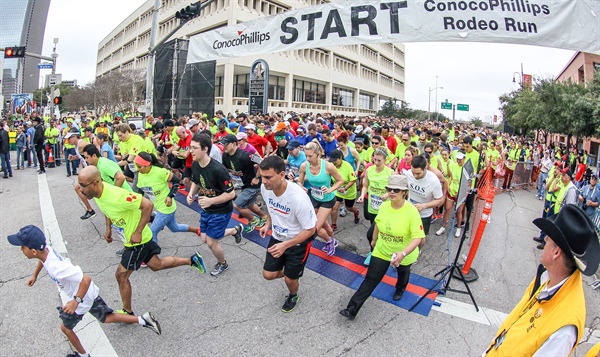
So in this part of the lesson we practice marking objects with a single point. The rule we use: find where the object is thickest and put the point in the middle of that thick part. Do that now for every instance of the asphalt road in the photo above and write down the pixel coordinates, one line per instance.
(239, 313)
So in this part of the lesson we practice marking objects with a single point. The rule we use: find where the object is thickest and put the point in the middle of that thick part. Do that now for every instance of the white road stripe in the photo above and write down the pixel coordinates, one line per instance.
(88, 330)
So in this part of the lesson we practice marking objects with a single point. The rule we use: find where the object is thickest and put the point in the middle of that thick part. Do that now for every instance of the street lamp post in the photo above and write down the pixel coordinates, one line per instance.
(429, 101)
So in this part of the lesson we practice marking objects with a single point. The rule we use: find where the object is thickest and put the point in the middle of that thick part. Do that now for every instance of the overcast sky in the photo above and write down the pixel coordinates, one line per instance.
(471, 73)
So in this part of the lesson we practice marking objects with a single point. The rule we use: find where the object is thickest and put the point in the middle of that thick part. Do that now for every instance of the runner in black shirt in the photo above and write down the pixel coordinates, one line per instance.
(210, 179)
(243, 174)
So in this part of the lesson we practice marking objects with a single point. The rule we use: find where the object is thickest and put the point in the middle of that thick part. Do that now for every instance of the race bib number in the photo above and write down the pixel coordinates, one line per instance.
(149, 193)
(237, 182)
(317, 192)
(280, 233)
(376, 202)
(120, 233)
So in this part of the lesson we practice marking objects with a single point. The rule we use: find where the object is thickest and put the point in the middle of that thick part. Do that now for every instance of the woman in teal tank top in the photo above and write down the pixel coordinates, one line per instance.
(318, 173)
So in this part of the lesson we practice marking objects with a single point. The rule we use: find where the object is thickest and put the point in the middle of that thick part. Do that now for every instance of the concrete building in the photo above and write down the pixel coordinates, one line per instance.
(349, 80)
(23, 24)
(581, 69)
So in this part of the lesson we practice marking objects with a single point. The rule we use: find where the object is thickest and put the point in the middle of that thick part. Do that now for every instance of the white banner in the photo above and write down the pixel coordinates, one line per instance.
(567, 24)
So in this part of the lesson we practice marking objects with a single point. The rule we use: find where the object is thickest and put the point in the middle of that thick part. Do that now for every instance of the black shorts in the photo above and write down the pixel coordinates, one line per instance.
(134, 256)
(177, 163)
(318, 204)
(292, 261)
(99, 310)
(187, 173)
(348, 203)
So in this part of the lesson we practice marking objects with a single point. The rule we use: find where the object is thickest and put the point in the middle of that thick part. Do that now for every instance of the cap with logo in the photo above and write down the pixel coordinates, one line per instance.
(228, 139)
(29, 236)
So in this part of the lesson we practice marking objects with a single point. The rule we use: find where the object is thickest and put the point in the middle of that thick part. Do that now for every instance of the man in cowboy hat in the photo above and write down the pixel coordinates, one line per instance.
(549, 320)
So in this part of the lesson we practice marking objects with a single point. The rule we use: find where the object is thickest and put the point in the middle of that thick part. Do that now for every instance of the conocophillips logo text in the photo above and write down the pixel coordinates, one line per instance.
(243, 39)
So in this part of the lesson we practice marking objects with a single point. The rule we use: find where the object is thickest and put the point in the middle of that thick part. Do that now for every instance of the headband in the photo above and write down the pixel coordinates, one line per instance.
(140, 161)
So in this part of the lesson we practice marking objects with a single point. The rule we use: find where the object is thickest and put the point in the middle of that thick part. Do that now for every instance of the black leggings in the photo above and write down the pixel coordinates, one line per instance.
(377, 269)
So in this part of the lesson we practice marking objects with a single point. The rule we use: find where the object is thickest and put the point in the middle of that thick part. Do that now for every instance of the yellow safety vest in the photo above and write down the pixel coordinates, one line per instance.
(532, 322)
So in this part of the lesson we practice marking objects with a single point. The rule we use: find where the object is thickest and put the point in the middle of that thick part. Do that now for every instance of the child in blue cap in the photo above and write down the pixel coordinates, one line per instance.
(75, 284)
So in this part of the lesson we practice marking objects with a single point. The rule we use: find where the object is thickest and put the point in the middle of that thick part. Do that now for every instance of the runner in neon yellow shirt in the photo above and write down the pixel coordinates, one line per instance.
(129, 213)
(398, 232)
(154, 180)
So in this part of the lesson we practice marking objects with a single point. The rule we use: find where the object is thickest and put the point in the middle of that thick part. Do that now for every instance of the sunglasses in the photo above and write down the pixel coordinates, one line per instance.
(375, 142)
(395, 190)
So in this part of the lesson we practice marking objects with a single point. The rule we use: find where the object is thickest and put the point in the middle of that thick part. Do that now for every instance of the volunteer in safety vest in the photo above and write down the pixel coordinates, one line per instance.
(550, 318)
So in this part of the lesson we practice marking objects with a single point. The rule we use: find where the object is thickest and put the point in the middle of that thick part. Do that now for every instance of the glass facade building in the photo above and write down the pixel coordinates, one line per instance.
(23, 24)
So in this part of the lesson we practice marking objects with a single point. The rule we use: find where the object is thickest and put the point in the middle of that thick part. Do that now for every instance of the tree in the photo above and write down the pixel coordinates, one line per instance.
(476, 121)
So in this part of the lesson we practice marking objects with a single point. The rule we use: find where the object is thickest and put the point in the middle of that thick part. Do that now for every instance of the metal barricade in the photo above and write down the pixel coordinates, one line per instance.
(522, 175)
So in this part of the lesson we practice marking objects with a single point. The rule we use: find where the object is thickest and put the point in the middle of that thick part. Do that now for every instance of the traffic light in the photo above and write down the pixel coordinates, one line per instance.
(189, 12)
(57, 100)
(14, 52)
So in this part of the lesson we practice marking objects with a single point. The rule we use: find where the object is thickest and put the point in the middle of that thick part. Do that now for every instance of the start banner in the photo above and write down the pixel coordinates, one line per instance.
(566, 24)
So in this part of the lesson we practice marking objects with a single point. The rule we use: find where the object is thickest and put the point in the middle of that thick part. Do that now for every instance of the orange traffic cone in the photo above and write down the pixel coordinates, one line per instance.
(50, 159)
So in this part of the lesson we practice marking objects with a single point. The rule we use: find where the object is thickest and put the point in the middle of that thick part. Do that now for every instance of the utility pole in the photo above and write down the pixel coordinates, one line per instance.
(437, 110)
(150, 71)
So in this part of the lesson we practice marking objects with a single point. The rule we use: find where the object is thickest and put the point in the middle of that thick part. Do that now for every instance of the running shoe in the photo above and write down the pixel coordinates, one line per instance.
(238, 233)
(329, 247)
(251, 226)
(457, 234)
(88, 214)
(356, 219)
(123, 312)
(262, 222)
(334, 226)
(219, 269)
(290, 302)
(151, 322)
(343, 211)
(198, 262)
(120, 252)
(143, 265)
(433, 218)
(440, 231)
(347, 314)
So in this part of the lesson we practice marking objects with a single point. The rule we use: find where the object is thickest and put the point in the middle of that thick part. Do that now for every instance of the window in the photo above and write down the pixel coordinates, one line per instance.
(276, 87)
(342, 97)
(219, 87)
(366, 101)
(309, 92)
(241, 85)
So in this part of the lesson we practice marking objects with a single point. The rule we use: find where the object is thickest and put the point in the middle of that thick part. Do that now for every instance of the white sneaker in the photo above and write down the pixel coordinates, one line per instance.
(440, 231)
(457, 234)
(343, 211)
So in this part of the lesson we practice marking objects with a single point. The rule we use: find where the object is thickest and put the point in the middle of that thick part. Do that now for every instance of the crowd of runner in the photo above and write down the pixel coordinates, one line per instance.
(309, 169)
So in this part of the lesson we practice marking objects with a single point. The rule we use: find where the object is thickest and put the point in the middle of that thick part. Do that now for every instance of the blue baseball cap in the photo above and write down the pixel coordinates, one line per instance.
(292, 144)
(29, 236)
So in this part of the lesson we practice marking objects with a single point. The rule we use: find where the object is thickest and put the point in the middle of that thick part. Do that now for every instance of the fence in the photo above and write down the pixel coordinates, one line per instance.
(521, 177)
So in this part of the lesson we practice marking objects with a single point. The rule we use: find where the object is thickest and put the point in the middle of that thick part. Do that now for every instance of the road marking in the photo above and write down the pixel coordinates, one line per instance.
(88, 330)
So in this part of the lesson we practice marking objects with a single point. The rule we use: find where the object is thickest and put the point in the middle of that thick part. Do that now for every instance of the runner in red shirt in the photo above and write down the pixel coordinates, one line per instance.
(257, 141)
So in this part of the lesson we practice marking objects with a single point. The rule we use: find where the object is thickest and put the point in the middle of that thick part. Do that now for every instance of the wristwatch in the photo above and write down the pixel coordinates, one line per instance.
(78, 299)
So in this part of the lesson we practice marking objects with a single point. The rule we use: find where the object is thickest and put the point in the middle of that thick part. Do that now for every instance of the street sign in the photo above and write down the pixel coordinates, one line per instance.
(463, 107)
(446, 105)
(45, 65)
(52, 80)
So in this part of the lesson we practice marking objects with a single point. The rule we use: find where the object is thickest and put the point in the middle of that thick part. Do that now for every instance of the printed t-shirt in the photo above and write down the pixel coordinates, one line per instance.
(213, 180)
(68, 277)
(424, 190)
(494, 156)
(348, 174)
(132, 146)
(156, 188)
(241, 169)
(397, 228)
(108, 170)
(377, 183)
(290, 213)
(122, 207)
(456, 171)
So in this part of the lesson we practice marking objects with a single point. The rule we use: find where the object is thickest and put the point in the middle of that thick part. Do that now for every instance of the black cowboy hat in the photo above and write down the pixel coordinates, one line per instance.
(575, 233)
